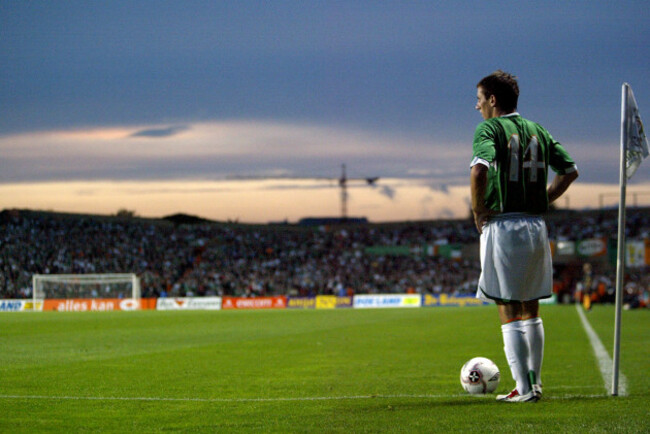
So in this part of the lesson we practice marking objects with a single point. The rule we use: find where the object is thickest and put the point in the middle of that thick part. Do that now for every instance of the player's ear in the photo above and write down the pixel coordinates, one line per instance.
(492, 100)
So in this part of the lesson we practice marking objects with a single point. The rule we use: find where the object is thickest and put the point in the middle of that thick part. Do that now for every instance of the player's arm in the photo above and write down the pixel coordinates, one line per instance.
(564, 167)
(478, 186)
(560, 184)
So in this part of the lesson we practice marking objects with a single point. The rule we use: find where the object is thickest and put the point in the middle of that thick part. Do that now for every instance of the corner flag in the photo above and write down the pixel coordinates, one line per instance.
(634, 149)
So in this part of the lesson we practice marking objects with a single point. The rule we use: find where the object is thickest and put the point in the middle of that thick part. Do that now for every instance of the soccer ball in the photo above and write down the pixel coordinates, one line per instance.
(479, 376)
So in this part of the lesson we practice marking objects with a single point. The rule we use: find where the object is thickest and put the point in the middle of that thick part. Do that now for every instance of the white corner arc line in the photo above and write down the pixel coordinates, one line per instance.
(604, 361)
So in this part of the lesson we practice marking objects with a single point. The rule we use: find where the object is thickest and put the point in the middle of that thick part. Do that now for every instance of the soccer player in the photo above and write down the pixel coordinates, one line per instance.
(508, 177)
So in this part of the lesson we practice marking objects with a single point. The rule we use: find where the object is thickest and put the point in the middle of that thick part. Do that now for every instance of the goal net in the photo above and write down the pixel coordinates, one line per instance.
(65, 286)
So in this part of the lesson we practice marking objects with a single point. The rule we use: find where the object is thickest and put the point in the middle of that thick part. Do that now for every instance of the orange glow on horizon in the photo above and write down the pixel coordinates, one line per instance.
(272, 200)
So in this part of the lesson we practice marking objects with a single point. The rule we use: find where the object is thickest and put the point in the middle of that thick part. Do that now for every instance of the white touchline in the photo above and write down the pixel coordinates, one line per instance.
(277, 399)
(235, 400)
(604, 361)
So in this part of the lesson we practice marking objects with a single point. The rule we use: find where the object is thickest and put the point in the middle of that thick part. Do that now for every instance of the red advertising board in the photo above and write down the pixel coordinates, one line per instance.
(279, 302)
(96, 304)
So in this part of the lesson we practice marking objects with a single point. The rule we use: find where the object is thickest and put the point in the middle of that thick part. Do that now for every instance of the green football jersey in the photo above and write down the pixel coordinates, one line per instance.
(520, 153)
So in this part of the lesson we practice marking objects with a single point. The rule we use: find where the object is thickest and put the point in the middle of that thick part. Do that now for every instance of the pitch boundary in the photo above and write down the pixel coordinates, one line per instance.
(277, 399)
(605, 363)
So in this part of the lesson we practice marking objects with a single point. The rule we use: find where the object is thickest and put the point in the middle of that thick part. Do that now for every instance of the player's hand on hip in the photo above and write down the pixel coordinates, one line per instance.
(481, 218)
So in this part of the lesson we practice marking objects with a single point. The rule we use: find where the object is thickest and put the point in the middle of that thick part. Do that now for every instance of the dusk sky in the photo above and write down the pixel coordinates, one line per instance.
(166, 106)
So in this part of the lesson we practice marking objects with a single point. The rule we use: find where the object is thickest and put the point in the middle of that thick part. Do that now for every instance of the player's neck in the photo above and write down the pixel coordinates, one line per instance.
(499, 113)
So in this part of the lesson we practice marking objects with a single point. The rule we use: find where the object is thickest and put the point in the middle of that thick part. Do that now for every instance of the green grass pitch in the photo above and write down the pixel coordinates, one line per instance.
(306, 371)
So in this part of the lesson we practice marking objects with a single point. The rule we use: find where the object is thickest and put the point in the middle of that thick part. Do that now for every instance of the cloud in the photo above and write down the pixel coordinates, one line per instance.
(161, 132)
(307, 185)
(247, 149)
(442, 187)
(387, 191)
(447, 213)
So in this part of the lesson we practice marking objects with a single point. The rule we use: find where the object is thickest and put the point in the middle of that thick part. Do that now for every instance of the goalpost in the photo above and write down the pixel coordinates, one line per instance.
(85, 286)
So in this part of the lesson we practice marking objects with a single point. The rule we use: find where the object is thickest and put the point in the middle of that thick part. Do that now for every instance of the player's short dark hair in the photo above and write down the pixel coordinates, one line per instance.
(504, 87)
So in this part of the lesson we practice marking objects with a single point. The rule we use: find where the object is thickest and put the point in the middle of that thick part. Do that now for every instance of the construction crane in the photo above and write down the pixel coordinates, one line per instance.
(343, 183)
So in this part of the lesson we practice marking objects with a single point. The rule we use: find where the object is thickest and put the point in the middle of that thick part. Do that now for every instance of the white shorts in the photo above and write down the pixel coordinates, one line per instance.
(515, 259)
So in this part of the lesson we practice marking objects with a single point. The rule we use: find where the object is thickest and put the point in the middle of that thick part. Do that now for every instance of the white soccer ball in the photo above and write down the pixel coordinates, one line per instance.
(479, 376)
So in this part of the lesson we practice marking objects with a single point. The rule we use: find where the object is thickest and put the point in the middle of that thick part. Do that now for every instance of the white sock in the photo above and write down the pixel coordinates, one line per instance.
(516, 349)
(534, 332)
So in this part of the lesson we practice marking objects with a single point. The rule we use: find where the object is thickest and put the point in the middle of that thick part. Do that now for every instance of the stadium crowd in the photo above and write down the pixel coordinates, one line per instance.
(255, 260)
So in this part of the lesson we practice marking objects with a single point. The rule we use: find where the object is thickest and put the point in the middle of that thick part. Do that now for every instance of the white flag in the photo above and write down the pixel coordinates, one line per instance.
(636, 148)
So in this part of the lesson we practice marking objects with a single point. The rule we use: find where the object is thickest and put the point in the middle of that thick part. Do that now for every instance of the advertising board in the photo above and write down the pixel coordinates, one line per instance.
(20, 305)
(319, 302)
(430, 300)
(189, 303)
(90, 304)
(301, 302)
(591, 248)
(279, 302)
(386, 301)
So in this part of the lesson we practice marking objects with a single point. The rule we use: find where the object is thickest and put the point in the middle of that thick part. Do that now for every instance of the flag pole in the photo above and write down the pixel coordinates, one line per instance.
(620, 255)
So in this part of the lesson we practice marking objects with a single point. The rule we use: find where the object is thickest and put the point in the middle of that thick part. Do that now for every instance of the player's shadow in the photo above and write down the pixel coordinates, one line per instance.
(475, 401)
